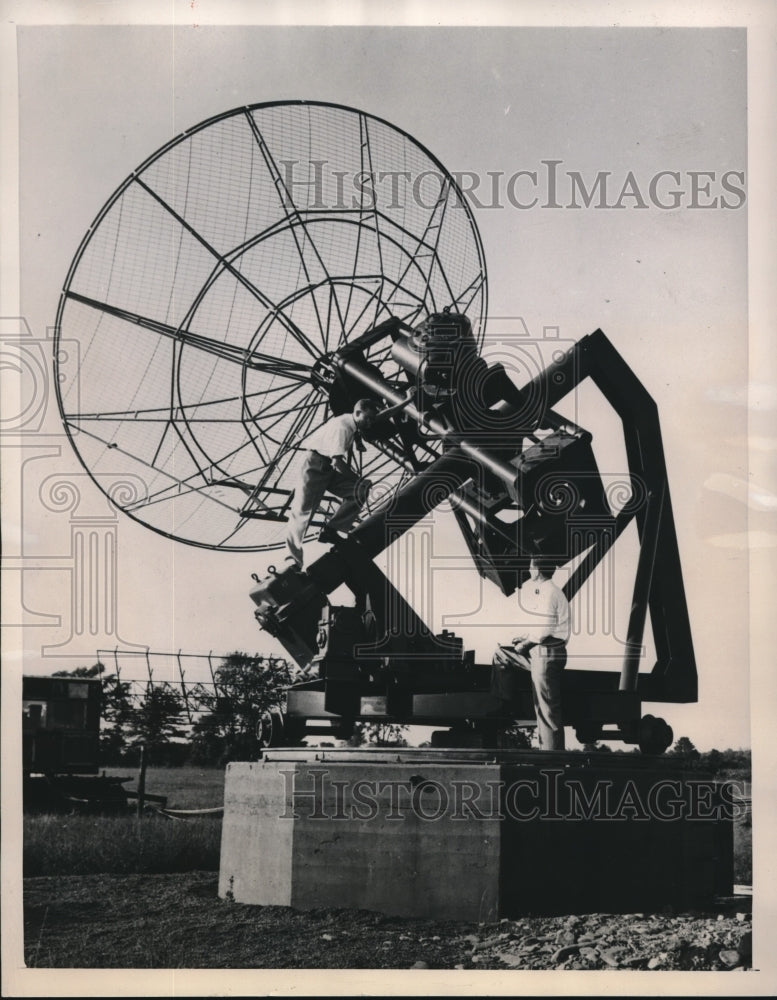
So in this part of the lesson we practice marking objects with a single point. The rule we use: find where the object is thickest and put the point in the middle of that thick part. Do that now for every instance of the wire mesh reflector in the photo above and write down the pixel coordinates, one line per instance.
(216, 277)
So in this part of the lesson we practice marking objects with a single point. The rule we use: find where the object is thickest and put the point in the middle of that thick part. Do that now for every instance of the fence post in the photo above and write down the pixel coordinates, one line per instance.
(142, 780)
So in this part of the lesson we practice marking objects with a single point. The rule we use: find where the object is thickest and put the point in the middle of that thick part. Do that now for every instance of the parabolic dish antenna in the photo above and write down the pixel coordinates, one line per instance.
(213, 283)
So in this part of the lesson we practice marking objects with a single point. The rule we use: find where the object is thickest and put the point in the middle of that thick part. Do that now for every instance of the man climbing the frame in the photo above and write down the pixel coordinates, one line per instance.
(541, 648)
(325, 469)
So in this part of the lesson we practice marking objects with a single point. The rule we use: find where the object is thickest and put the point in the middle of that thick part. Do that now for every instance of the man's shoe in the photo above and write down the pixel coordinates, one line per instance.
(328, 534)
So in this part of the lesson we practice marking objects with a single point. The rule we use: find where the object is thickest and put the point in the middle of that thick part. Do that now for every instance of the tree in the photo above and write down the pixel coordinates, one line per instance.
(247, 687)
(155, 721)
(685, 749)
(731, 763)
(94, 671)
(711, 761)
(378, 734)
(116, 719)
(517, 737)
(208, 738)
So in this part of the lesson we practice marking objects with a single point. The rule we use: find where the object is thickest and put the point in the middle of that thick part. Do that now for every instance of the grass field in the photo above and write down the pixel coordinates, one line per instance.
(84, 845)
(185, 787)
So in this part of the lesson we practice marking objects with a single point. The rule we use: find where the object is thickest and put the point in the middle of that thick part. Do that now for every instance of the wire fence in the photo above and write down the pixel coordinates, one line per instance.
(192, 677)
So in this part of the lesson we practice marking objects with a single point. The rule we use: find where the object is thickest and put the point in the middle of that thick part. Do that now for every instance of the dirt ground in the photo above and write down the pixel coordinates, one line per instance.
(178, 921)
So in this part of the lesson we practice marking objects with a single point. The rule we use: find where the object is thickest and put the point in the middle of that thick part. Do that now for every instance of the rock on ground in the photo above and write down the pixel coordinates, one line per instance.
(178, 921)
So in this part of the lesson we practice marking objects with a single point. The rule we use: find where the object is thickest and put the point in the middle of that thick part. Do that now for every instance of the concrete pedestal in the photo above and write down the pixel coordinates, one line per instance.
(472, 835)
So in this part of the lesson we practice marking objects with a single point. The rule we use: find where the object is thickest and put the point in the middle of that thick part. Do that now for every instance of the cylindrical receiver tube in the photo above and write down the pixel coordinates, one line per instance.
(507, 473)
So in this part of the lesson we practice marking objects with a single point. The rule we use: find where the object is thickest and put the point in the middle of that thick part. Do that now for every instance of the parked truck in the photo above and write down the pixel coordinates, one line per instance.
(60, 747)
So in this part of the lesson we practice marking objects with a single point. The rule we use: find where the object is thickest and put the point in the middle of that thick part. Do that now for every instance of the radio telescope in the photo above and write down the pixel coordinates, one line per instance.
(214, 283)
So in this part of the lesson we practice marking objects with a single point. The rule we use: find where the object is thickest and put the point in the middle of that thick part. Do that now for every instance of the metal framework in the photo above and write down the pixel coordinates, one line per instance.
(505, 450)
(264, 271)
(191, 676)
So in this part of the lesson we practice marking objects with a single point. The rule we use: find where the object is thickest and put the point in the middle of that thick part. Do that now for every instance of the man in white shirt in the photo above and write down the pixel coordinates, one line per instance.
(541, 648)
(325, 469)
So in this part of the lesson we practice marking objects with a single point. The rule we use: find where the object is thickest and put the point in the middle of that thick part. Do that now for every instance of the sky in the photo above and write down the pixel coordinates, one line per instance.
(667, 285)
